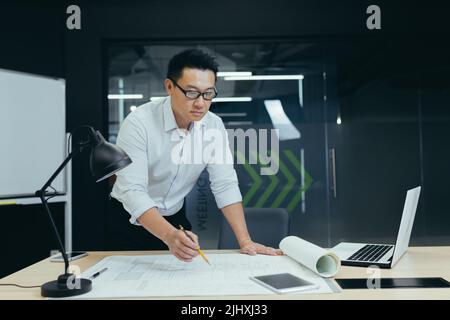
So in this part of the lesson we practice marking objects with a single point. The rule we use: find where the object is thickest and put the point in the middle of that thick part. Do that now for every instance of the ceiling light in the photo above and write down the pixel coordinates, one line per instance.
(232, 99)
(266, 77)
(124, 96)
(234, 73)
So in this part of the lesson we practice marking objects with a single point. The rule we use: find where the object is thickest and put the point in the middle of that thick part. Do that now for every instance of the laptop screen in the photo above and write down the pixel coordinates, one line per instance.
(406, 224)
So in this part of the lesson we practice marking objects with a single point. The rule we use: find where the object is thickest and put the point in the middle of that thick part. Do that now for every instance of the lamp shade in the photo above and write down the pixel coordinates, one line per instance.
(106, 158)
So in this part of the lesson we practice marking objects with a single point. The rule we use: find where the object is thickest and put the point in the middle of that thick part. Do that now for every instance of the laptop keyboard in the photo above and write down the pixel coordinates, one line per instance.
(370, 252)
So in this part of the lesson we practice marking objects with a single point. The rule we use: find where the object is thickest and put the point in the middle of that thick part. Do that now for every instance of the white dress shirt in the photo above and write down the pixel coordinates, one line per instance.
(162, 172)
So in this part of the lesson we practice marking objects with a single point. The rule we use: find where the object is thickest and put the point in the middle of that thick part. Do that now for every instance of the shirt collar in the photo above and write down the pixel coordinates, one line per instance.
(169, 118)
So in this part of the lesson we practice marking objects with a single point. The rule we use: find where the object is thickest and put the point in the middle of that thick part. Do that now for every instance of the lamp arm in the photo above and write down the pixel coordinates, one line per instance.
(55, 174)
(42, 194)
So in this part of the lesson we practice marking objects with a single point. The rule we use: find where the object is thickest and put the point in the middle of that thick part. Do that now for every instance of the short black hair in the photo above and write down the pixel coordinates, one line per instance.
(191, 58)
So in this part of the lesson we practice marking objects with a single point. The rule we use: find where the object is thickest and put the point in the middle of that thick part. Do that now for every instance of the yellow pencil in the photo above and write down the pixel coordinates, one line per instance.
(7, 203)
(198, 248)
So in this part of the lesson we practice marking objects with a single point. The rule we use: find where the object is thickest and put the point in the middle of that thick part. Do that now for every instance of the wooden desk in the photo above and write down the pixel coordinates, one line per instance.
(417, 262)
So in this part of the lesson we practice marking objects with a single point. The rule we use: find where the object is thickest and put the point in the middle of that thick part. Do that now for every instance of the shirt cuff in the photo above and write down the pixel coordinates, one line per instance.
(139, 211)
(136, 206)
(228, 196)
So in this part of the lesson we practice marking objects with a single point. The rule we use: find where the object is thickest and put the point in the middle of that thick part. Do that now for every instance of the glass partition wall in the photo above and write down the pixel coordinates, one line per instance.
(350, 137)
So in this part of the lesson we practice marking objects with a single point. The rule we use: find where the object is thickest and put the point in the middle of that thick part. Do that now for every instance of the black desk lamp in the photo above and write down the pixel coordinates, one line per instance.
(106, 159)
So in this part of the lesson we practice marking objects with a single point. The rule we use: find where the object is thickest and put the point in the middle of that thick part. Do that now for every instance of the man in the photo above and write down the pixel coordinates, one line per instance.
(152, 189)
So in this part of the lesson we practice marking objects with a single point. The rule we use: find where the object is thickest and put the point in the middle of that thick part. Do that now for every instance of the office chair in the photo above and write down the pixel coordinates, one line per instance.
(267, 226)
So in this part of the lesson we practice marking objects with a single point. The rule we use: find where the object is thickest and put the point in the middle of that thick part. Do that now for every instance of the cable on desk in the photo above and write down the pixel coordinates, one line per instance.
(18, 285)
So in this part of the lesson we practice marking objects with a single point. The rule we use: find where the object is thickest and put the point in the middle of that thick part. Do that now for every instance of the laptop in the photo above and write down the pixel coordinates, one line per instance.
(382, 255)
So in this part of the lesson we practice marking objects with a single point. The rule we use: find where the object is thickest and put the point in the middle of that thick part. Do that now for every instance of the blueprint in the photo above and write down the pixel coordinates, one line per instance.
(166, 276)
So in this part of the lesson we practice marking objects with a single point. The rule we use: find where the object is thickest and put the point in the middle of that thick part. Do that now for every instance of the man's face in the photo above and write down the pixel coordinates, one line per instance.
(187, 110)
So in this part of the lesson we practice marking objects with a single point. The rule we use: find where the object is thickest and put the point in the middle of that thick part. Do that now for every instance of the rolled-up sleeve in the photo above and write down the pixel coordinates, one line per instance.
(223, 177)
(131, 186)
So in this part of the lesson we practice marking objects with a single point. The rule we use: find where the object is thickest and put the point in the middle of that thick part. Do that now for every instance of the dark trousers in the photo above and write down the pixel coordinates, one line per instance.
(122, 235)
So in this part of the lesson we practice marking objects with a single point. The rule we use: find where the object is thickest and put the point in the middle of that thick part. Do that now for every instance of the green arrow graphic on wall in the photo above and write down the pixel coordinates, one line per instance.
(308, 180)
(254, 175)
(287, 188)
(272, 186)
(263, 187)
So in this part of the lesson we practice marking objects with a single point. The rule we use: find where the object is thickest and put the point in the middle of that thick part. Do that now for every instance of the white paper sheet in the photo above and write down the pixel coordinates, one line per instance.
(165, 276)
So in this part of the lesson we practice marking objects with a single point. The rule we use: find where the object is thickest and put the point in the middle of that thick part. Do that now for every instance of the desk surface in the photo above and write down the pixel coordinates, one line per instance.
(417, 262)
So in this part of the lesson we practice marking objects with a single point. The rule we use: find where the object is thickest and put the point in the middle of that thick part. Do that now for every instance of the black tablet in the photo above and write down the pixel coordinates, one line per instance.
(284, 283)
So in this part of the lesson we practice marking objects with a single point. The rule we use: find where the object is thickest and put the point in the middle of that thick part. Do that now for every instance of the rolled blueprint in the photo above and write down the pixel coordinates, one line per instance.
(323, 262)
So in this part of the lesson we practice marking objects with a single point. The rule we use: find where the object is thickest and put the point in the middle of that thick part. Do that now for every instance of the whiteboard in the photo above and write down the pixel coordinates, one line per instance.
(32, 133)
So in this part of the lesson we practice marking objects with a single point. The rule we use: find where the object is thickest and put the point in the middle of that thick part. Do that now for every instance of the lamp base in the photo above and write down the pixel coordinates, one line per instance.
(67, 285)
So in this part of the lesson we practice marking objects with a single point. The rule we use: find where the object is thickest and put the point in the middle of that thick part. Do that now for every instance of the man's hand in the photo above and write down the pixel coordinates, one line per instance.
(181, 246)
(253, 248)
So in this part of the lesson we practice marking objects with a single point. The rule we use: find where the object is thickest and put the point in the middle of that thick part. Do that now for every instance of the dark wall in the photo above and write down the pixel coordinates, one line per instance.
(32, 37)
(26, 236)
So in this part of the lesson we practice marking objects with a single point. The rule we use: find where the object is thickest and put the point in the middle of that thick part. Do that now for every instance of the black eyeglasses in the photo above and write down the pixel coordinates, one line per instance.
(192, 94)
